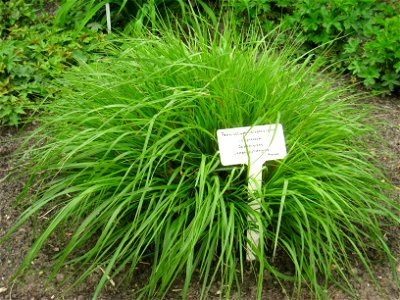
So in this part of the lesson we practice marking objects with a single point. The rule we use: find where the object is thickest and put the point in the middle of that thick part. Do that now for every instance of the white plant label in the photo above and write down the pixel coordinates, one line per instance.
(244, 145)
(252, 146)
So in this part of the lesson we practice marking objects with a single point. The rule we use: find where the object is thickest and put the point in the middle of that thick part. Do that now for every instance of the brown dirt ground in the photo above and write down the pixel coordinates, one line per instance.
(32, 286)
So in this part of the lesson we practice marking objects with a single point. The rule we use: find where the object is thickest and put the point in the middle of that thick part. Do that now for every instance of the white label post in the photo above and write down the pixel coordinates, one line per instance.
(252, 146)
(108, 17)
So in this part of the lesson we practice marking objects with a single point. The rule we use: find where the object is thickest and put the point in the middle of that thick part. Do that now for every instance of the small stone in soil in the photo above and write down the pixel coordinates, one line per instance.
(3, 289)
(59, 277)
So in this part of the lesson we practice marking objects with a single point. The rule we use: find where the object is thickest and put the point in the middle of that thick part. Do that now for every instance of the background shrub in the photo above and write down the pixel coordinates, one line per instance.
(32, 54)
(377, 60)
(361, 35)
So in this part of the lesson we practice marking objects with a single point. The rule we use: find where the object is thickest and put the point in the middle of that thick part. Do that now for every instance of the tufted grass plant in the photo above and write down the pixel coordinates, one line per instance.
(127, 161)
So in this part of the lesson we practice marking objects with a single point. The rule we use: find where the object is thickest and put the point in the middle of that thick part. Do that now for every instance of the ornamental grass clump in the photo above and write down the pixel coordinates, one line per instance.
(127, 160)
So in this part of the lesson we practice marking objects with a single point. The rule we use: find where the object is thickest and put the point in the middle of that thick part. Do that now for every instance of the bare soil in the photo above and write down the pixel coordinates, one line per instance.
(33, 285)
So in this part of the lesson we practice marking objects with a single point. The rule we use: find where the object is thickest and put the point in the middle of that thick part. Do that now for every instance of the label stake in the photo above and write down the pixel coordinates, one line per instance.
(252, 146)
(108, 17)
(254, 184)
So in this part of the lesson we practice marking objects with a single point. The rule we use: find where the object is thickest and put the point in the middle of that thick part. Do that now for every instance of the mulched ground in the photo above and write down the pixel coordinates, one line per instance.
(32, 285)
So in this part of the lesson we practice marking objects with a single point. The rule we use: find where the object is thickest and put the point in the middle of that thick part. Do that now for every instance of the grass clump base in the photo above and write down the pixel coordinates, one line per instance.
(129, 157)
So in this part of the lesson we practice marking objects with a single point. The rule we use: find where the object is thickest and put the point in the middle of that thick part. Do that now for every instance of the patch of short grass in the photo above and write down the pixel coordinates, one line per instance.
(128, 156)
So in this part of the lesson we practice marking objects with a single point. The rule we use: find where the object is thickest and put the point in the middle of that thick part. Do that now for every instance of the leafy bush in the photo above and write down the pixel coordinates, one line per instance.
(128, 157)
(15, 13)
(377, 61)
(364, 32)
(32, 54)
(13, 75)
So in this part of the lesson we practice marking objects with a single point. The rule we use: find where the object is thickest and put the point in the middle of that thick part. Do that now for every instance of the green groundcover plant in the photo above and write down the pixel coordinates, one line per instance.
(33, 52)
(127, 160)
(361, 35)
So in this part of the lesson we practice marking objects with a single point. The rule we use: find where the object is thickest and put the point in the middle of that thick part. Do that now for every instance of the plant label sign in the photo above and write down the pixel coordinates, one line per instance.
(249, 145)
(252, 146)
